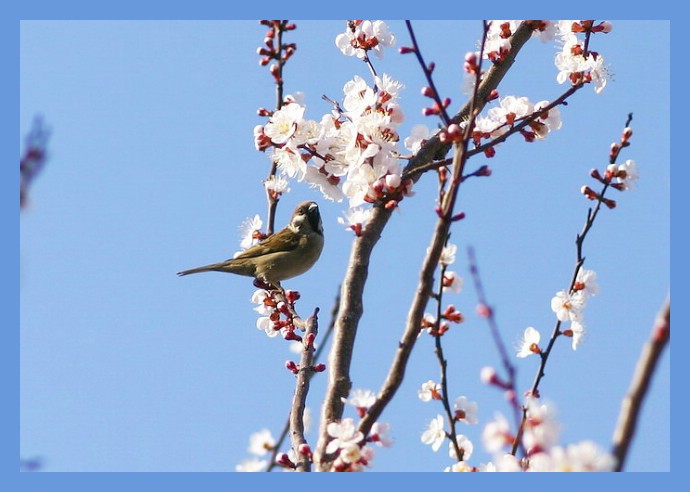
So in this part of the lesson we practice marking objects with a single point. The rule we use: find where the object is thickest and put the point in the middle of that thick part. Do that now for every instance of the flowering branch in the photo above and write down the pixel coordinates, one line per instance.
(430, 90)
(275, 50)
(424, 288)
(486, 311)
(443, 363)
(567, 304)
(646, 365)
(299, 443)
(339, 383)
(317, 357)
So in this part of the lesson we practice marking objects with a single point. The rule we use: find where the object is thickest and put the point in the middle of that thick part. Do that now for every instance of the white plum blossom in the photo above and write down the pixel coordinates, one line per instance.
(568, 307)
(496, 434)
(429, 391)
(283, 123)
(541, 427)
(344, 434)
(435, 434)
(362, 36)
(265, 307)
(261, 443)
(577, 332)
(448, 254)
(452, 282)
(327, 184)
(360, 398)
(511, 108)
(547, 31)
(248, 230)
(497, 43)
(277, 185)
(465, 410)
(418, 135)
(265, 324)
(586, 282)
(627, 174)
(529, 344)
(465, 445)
(379, 434)
(356, 219)
(552, 120)
(289, 161)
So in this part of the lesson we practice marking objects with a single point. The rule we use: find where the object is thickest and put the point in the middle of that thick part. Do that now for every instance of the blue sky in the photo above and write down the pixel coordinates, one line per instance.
(126, 367)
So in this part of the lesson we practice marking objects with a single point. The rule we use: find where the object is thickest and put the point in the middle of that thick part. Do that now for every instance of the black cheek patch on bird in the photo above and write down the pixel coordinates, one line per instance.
(313, 217)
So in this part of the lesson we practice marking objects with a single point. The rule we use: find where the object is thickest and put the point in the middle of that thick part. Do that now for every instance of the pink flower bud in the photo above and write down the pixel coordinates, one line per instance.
(483, 310)
(428, 92)
(304, 450)
(627, 133)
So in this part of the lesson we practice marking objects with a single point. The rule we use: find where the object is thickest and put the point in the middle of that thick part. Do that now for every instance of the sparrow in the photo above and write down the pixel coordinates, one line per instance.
(283, 255)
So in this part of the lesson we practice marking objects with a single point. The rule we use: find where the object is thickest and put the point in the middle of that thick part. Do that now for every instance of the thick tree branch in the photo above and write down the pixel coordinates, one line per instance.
(646, 365)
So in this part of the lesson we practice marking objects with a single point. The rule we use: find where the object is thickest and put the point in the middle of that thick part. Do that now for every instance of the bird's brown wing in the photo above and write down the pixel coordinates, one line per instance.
(284, 240)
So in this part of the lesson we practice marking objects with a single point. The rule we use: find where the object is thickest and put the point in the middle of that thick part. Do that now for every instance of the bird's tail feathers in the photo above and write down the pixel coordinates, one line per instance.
(207, 268)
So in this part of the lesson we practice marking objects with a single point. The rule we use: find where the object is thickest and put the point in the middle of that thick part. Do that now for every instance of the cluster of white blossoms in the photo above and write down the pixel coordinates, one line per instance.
(352, 449)
(574, 62)
(540, 440)
(568, 307)
(351, 153)
(435, 434)
(362, 36)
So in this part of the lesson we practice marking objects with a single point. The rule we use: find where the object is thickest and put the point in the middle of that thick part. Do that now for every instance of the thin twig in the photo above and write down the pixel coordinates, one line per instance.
(317, 357)
(496, 335)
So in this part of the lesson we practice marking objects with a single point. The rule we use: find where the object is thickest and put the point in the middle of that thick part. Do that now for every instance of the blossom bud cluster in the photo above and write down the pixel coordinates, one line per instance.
(276, 314)
(269, 51)
(621, 177)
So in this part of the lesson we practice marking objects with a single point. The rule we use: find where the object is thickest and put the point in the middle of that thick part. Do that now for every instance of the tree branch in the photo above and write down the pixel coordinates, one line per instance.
(339, 383)
(646, 365)
(300, 398)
